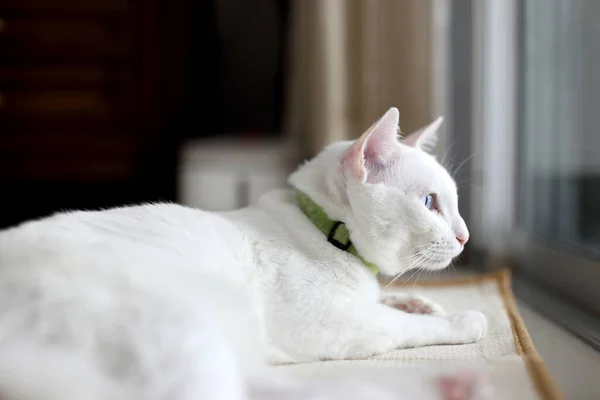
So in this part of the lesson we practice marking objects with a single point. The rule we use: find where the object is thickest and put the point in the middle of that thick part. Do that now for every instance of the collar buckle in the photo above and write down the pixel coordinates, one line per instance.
(331, 238)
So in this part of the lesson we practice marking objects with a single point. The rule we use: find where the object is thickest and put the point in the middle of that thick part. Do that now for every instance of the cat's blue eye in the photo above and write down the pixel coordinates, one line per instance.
(427, 200)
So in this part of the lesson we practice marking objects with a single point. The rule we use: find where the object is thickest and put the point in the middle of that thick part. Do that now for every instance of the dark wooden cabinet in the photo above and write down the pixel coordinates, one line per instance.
(79, 112)
(65, 6)
(97, 95)
(37, 37)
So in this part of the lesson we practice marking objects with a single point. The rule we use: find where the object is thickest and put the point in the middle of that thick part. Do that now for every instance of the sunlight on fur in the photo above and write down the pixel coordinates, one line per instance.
(161, 301)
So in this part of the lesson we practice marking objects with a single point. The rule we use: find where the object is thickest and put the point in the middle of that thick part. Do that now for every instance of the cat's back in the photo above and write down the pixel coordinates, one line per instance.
(144, 223)
(154, 233)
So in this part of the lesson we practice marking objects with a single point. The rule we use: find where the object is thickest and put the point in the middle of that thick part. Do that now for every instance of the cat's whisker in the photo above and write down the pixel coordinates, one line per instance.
(427, 273)
(414, 253)
(414, 260)
(418, 276)
(409, 259)
(413, 274)
(423, 245)
(452, 266)
(446, 152)
(449, 167)
(465, 182)
(392, 282)
(415, 265)
(419, 272)
(417, 261)
(460, 165)
(426, 256)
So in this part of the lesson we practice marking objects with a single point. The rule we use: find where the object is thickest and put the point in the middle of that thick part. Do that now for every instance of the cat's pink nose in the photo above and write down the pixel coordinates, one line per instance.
(462, 239)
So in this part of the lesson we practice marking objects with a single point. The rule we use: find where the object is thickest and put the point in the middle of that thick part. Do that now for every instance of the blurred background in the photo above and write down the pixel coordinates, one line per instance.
(211, 103)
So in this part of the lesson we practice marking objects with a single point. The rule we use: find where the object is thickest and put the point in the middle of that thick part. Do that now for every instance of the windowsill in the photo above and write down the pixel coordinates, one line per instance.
(573, 364)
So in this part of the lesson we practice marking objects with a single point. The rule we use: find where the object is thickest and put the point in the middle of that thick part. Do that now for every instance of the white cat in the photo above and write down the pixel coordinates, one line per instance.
(167, 302)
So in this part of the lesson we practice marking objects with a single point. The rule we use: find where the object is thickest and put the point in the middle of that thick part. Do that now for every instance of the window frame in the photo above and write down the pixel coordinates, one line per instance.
(496, 112)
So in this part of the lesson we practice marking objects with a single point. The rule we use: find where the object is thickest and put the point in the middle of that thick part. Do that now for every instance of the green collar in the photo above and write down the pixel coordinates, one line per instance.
(336, 231)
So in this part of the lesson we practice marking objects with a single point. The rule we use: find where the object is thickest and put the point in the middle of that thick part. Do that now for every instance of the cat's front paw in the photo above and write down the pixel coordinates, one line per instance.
(413, 304)
(467, 326)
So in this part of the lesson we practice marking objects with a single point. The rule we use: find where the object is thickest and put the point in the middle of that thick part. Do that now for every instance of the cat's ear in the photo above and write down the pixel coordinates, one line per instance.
(376, 147)
(425, 138)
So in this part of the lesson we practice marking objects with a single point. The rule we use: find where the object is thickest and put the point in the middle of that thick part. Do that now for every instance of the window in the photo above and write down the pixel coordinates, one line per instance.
(536, 132)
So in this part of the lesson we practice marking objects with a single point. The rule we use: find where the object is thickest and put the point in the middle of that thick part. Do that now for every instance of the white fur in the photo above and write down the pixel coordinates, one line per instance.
(167, 302)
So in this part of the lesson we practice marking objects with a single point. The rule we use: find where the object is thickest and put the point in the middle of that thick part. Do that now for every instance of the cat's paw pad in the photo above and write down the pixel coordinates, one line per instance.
(468, 326)
(464, 385)
(413, 304)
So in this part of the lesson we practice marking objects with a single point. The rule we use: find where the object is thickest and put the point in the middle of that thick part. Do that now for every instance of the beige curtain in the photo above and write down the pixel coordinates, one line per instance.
(350, 61)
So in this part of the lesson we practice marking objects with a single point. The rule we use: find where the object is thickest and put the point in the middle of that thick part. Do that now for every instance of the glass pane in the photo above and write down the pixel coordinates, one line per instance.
(559, 154)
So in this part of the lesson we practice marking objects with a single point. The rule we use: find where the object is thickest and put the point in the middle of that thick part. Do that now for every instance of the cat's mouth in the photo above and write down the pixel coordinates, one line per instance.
(432, 256)
(439, 255)
(436, 260)
(437, 264)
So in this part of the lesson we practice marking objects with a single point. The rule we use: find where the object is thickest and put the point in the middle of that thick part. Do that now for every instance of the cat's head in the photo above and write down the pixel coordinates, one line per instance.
(399, 203)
